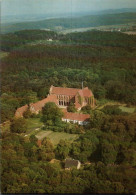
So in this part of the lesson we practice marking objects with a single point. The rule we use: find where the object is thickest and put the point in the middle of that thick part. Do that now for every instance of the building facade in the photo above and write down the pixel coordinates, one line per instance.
(81, 119)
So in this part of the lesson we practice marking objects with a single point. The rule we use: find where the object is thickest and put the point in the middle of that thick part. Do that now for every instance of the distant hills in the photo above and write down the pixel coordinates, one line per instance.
(116, 11)
(103, 18)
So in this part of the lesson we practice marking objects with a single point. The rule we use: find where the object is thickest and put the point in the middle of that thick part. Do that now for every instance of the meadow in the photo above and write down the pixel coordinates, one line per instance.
(55, 137)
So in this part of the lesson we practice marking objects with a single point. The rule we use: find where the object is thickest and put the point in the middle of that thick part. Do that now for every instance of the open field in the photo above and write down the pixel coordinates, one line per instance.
(55, 137)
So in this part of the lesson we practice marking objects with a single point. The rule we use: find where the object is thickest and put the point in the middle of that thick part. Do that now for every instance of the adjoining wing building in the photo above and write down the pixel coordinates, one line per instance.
(62, 97)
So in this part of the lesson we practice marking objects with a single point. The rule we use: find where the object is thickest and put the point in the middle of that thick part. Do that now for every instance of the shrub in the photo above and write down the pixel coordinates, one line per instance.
(18, 125)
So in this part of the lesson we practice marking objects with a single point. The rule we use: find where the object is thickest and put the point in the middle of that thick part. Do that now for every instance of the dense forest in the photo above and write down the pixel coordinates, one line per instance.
(29, 70)
(105, 61)
(107, 151)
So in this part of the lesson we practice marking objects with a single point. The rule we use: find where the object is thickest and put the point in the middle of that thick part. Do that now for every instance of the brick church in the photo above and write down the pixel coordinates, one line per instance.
(80, 97)
(62, 97)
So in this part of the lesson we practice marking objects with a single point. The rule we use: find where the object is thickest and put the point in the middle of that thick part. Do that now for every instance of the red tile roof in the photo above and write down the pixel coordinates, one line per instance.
(76, 116)
(64, 91)
(20, 111)
(71, 91)
(39, 105)
(85, 92)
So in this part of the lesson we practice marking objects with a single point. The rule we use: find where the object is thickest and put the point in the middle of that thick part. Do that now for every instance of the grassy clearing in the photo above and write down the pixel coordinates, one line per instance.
(123, 107)
(55, 137)
(35, 128)
(34, 125)
(109, 103)
(3, 54)
(127, 109)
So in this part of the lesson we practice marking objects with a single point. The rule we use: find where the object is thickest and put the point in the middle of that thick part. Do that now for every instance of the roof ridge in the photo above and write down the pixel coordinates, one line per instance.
(67, 88)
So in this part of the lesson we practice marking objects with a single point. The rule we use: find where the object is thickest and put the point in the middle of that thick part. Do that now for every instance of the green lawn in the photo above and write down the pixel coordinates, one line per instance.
(55, 137)
(105, 102)
(33, 125)
(127, 109)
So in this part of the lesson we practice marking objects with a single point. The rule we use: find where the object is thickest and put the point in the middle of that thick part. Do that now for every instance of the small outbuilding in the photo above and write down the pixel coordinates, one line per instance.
(70, 163)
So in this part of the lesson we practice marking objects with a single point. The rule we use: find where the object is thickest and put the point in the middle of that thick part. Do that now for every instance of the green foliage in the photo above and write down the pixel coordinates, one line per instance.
(30, 171)
(46, 152)
(11, 41)
(97, 118)
(108, 153)
(86, 109)
(18, 125)
(108, 143)
(27, 113)
(30, 70)
(71, 108)
(42, 93)
(52, 115)
(112, 110)
(33, 139)
(62, 150)
(8, 107)
(85, 147)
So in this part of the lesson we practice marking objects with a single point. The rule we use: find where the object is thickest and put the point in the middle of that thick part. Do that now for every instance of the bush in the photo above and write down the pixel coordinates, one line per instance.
(27, 113)
(112, 110)
(71, 108)
(52, 115)
(86, 109)
(18, 125)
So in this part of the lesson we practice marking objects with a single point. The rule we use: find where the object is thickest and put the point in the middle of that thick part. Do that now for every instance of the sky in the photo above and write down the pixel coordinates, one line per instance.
(30, 7)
